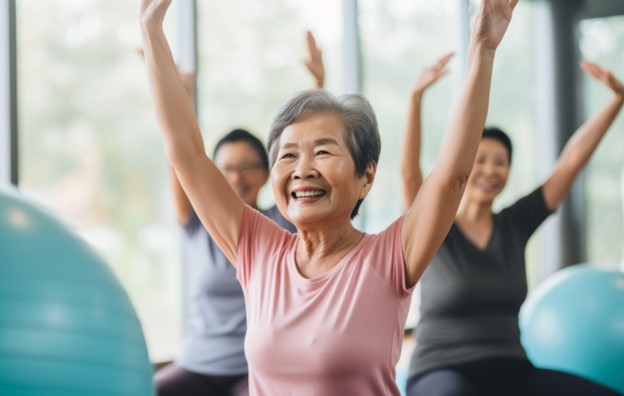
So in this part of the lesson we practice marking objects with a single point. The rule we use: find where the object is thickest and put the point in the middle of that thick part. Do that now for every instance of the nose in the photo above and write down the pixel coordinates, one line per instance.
(305, 169)
(233, 177)
(488, 168)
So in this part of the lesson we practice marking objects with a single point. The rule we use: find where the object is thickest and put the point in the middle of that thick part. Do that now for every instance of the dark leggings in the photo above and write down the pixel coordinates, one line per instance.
(502, 376)
(173, 380)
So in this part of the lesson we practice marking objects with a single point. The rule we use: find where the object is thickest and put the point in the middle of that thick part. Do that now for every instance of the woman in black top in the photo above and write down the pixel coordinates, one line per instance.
(468, 340)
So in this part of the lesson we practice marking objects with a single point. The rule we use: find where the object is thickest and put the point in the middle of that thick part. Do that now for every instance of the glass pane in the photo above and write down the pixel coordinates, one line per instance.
(90, 151)
(602, 41)
(251, 61)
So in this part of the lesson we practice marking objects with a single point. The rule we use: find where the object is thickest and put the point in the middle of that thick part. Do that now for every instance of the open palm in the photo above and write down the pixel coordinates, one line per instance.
(431, 74)
(314, 61)
(606, 77)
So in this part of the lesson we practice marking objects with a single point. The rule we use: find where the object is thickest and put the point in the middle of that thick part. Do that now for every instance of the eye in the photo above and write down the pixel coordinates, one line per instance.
(322, 152)
(287, 156)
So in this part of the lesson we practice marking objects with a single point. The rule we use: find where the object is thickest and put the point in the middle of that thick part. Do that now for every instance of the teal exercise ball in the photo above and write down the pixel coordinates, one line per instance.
(574, 322)
(67, 327)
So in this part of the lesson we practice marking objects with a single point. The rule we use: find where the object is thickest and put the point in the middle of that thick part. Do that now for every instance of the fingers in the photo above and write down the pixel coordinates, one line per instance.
(311, 42)
(443, 61)
(594, 70)
(605, 76)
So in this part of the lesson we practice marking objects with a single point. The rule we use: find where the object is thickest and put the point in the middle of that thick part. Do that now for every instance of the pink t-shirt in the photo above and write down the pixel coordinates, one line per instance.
(337, 334)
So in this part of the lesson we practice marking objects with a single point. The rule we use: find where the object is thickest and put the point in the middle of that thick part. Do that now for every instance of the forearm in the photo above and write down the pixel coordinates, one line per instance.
(584, 142)
(459, 147)
(577, 152)
(172, 105)
(411, 173)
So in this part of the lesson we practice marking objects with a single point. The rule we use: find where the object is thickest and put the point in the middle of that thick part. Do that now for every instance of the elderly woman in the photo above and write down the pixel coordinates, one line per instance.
(212, 358)
(326, 306)
(468, 335)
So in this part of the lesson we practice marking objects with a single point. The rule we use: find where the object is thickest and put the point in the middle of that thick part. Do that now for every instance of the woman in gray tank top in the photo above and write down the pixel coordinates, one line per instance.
(468, 340)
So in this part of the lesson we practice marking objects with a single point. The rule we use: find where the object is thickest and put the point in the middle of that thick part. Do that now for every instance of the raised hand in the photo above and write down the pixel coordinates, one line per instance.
(606, 77)
(314, 62)
(429, 75)
(492, 21)
(153, 11)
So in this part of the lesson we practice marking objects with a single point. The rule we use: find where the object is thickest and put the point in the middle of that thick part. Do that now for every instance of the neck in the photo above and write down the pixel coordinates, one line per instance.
(472, 211)
(320, 249)
(317, 244)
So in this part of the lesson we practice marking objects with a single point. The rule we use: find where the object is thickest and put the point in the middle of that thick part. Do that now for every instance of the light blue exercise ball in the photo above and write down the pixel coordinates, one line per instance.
(67, 327)
(574, 322)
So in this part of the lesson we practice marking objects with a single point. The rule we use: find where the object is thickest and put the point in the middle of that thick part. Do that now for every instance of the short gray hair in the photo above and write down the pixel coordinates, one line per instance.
(356, 114)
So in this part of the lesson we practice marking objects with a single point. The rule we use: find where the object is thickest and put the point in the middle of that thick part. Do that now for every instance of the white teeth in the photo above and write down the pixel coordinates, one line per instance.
(309, 194)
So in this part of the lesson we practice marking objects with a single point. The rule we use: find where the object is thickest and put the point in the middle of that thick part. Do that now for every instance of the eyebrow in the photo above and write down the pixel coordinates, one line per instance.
(318, 142)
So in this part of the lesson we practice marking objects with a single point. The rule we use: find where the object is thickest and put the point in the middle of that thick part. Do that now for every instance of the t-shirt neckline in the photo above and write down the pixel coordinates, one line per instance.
(292, 263)
(471, 243)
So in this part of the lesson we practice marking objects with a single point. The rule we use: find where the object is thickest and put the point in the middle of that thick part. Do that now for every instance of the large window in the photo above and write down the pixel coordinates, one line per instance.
(90, 151)
(602, 41)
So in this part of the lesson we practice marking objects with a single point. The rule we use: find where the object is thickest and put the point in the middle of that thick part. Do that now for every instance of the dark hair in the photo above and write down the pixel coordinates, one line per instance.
(356, 114)
(242, 135)
(500, 136)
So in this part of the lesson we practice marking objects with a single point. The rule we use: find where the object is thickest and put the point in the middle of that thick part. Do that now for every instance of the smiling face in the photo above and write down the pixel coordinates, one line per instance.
(314, 178)
(242, 166)
(490, 172)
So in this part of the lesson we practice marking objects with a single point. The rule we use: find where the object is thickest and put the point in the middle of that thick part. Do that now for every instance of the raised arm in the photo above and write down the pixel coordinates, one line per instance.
(583, 143)
(183, 205)
(216, 203)
(314, 61)
(411, 172)
(430, 216)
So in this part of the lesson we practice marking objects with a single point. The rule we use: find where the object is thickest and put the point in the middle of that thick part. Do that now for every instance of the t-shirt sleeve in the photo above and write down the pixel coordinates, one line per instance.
(260, 241)
(387, 257)
(528, 212)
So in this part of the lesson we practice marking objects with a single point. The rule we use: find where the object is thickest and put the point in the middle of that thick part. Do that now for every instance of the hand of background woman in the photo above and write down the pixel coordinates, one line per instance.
(606, 77)
(429, 75)
(314, 62)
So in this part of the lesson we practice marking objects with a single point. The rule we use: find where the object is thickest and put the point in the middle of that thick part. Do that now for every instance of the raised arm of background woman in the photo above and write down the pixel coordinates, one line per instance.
(583, 143)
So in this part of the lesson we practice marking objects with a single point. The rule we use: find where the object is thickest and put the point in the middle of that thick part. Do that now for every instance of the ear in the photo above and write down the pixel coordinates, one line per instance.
(367, 179)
